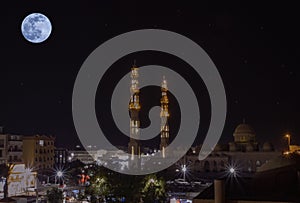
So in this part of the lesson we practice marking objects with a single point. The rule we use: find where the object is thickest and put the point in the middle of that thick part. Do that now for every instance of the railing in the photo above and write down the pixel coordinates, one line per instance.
(15, 150)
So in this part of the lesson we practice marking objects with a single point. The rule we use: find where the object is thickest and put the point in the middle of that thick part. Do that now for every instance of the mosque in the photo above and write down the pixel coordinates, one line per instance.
(243, 153)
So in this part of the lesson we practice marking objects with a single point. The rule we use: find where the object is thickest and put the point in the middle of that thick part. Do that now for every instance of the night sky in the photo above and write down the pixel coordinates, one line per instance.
(254, 47)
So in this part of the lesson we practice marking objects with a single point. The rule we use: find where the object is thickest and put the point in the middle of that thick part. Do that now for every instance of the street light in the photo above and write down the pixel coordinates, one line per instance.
(59, 174)
(288, 136)
(184, 169)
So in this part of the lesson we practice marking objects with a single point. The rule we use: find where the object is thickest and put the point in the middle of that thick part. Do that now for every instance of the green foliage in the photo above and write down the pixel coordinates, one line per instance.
(127, 186)
(99, 186)
(153, 189)
(105, 183)
(55, 195)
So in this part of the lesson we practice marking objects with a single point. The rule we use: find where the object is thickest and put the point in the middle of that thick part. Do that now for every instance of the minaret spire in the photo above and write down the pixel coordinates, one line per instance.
(164, 115)
(134, 109)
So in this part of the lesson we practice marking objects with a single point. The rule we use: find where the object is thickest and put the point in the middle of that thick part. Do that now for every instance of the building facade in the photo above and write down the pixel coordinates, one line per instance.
(244, 154)
(3, 148)
(38, 151)
(11, 148)
(61, 156)
(15, 149)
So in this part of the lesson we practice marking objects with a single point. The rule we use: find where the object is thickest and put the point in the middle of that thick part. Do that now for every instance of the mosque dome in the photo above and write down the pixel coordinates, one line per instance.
(244, 133)
(267, 147)
(244, 128)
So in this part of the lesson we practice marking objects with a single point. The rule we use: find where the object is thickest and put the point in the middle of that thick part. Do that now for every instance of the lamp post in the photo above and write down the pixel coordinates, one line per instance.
(288, 136)
(59, 175)
(184, 169)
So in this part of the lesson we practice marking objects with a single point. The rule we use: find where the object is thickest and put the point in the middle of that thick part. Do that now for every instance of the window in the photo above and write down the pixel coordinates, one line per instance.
(1, 143)
(41, 143)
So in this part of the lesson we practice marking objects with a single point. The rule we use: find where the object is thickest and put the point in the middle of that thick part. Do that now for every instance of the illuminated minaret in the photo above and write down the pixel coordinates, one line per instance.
(164, 115)
(134, 109)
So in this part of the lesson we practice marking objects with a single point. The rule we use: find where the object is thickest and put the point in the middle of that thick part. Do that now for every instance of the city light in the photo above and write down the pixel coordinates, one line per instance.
(60, 174)
(232, 170)
(184, 169)
(288, 136)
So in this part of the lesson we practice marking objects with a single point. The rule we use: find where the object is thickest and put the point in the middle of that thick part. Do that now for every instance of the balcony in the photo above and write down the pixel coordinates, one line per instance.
(14, 160)
(15, 150)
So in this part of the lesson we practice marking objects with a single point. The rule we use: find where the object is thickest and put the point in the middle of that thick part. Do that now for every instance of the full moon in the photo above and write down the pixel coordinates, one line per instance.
(36, 28)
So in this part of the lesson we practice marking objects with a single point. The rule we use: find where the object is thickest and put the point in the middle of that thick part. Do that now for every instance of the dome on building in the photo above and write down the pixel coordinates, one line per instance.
(232, 147)
(244, 133)
(244, 128)
(267, 147)
(249, 147)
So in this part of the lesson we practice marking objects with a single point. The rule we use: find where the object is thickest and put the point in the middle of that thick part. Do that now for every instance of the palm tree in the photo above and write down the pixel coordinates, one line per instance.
(5, 171)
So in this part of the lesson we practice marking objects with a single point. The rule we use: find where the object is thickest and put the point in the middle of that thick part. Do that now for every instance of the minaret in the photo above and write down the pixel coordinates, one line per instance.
(134, 109)
(164, 115)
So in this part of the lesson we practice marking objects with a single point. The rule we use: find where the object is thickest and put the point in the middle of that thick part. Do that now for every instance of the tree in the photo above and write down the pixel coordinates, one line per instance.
(153, 189)
(55, 195)
(5, 171)
(99, 187)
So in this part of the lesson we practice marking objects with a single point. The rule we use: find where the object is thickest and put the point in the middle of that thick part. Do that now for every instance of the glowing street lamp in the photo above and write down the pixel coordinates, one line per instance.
(184, 169)
(59, 174)
(288, 136)
(232, 170)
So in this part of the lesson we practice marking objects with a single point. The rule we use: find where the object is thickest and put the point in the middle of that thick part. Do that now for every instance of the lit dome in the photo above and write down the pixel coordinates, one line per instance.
(244, 128)
(244, 133)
